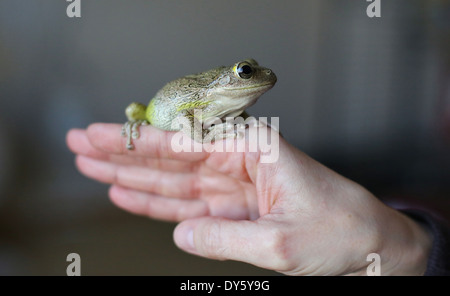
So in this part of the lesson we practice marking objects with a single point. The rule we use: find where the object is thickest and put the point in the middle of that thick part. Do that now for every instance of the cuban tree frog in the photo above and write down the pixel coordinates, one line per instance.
(219, 93)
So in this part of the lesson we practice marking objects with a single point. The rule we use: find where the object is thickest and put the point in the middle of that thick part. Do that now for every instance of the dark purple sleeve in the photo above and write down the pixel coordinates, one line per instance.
(439, 259)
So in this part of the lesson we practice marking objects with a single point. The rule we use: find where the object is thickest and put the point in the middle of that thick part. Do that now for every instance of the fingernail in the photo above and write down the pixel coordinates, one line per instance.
(184, 238)
(190, 238)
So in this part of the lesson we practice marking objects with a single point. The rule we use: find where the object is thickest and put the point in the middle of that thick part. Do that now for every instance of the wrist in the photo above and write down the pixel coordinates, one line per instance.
(405, 246)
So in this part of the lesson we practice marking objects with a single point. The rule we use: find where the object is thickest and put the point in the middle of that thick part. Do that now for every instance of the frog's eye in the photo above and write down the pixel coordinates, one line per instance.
(244, 70)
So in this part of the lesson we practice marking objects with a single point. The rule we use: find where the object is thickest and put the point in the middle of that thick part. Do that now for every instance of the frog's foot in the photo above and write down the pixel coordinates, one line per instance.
(224, 131)
(131, 130)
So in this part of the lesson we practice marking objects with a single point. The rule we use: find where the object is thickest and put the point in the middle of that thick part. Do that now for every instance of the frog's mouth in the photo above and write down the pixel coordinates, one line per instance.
(266, 85)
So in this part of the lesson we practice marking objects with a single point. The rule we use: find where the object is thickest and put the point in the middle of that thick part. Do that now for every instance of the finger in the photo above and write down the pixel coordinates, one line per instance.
(79, 143)
(156, 206)
(223, 239)
(152, 142)
(170, 184)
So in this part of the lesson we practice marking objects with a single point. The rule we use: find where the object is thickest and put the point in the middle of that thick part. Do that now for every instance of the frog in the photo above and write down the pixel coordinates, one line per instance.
(194, 100)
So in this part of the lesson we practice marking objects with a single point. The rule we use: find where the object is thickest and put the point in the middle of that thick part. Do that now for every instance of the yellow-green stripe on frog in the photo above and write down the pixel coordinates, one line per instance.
(221, 92)
(192, 105)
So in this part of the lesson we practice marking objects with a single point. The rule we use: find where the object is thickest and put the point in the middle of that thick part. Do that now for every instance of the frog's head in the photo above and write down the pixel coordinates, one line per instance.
(240, 85)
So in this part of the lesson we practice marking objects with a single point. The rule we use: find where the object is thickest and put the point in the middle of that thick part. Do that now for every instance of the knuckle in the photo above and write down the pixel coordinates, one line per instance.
(211, 242)
(194, 187)
(280, 249)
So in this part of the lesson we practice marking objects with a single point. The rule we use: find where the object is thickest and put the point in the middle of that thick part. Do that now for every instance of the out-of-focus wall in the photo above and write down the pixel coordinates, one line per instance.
(361, 95)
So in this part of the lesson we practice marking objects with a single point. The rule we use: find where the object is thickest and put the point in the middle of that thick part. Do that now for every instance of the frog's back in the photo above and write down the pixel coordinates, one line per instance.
(176, 96)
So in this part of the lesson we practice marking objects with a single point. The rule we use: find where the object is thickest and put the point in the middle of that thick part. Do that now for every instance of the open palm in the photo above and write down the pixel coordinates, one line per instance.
(294, 215)
(152, 180)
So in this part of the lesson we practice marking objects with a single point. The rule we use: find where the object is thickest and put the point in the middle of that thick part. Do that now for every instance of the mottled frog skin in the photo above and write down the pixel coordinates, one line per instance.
(218, 93)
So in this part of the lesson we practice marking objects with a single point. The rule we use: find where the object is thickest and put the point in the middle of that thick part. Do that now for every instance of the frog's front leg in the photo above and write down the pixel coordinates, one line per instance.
(202, 132)
(135, 113)
(230, 129)
(222, 131)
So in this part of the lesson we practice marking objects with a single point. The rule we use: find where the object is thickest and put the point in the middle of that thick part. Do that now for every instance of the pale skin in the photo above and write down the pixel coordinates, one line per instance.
(294, 216)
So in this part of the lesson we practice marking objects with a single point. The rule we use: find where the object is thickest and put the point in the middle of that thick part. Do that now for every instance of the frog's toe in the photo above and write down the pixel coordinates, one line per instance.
(240, 134)
(125, 127)
(134, 130)
(131, 130)
(241, 126)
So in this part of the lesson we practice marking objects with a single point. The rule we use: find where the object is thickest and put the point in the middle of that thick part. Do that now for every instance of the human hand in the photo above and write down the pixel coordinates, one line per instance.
(294, 216)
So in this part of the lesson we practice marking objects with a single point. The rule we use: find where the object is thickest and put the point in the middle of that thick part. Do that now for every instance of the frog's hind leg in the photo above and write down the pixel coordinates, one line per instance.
(131, 130)
(135, 113)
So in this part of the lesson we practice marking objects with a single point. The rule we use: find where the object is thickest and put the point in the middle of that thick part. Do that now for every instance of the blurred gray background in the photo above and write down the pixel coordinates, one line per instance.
(367, 97)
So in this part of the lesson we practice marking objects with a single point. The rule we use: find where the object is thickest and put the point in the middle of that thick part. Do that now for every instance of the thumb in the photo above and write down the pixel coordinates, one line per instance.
(220, 238)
